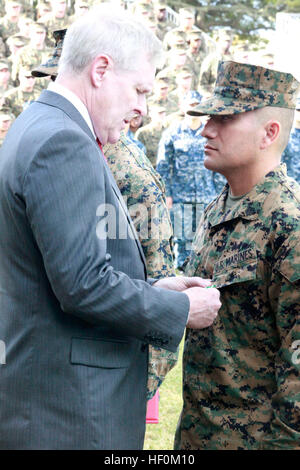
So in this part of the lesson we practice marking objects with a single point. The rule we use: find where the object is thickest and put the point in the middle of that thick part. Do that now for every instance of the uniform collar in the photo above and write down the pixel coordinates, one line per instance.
(251, 205)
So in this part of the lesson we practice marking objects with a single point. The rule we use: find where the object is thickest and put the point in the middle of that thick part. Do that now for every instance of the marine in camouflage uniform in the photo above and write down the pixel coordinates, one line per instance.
(150, 134)
(196, 54)
(5, 77)
(241, 384)
(161, 96)
(32, 54)
(178, 60)
(54, 20)
(162, 22)
(190, 185)
(186, 25)
(19, 98)
(9, 22)
(144, 193)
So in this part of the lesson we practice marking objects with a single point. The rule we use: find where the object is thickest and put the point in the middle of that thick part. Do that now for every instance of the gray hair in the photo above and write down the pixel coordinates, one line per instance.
(105, 29)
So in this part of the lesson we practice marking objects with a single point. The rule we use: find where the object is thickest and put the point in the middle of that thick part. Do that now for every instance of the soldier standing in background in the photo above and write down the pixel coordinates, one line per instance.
(15, 44)
(184, 82)
(177, 59)
(186, 25)
(5, 76)
(56, 19)
(9, 22)
(161, 95)
(162, 23)
(241, 385)
(150, 134)
(209, 66)
(19, 98)
(33, 53)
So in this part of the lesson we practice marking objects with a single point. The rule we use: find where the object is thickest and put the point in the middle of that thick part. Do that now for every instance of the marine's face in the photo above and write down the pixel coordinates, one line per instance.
(187, 22)
(4, 75)
(121, 97)
(232, 141)
(5, 122)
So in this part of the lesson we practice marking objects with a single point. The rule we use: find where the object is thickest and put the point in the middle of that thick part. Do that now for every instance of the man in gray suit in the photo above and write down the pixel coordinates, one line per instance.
(76, 309)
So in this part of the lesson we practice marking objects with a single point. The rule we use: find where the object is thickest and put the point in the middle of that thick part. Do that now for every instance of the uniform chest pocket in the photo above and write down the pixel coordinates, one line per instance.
(237, 268)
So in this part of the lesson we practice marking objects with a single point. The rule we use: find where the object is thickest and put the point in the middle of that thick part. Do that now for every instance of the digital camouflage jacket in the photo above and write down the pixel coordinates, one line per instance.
(242, 374)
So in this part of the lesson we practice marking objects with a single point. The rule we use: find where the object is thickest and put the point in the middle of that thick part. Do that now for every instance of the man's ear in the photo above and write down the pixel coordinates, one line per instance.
(99, 67)
(271, 133)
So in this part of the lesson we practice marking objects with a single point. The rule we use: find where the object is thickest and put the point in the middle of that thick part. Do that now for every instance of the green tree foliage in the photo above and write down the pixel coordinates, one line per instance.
(244, 17)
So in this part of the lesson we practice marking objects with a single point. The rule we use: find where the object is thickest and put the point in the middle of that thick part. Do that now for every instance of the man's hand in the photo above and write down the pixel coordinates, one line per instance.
(204, 306)
(181, 283)
(204, 303)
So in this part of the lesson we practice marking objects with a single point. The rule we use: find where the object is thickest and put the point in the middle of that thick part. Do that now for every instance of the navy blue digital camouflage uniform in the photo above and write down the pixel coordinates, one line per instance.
(291, 155)
(188, 182)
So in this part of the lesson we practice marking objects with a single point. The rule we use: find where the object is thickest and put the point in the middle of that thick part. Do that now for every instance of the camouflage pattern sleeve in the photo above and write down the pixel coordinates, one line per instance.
(143, 190)
(284, 430)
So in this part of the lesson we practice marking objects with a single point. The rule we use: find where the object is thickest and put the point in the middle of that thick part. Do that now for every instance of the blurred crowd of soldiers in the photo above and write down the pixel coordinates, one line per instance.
(191, 58)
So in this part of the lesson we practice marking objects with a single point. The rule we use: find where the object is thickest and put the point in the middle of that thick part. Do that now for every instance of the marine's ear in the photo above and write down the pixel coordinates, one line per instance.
(271, 133)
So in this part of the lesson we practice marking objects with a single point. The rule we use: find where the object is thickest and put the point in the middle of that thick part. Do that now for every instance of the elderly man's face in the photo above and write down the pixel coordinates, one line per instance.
(121, 97)
(232, 141)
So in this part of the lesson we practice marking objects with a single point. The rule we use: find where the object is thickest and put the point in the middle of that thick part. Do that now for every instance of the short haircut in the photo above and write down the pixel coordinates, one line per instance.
(110, 31)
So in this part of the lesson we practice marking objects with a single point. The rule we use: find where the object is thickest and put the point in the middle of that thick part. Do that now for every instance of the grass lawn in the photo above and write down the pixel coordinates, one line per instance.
(161, 436)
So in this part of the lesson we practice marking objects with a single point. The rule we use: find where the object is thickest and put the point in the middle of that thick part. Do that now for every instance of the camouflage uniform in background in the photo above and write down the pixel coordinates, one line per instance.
(5, 68)
(29, 57)
(54, 24)
(291, 155)
(27, 8)
(208, 73)
(150, 136)
(18, 100)
(7, 28)
(188, 182)
(143, 191)
(241, 386)
(167, 103)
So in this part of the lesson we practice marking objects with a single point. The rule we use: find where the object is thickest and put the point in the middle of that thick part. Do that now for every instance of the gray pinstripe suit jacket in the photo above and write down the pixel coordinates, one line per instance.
(75, 310)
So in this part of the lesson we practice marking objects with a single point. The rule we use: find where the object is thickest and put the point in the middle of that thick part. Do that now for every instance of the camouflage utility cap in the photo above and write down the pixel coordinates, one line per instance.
(50, 67)
(245, 87)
